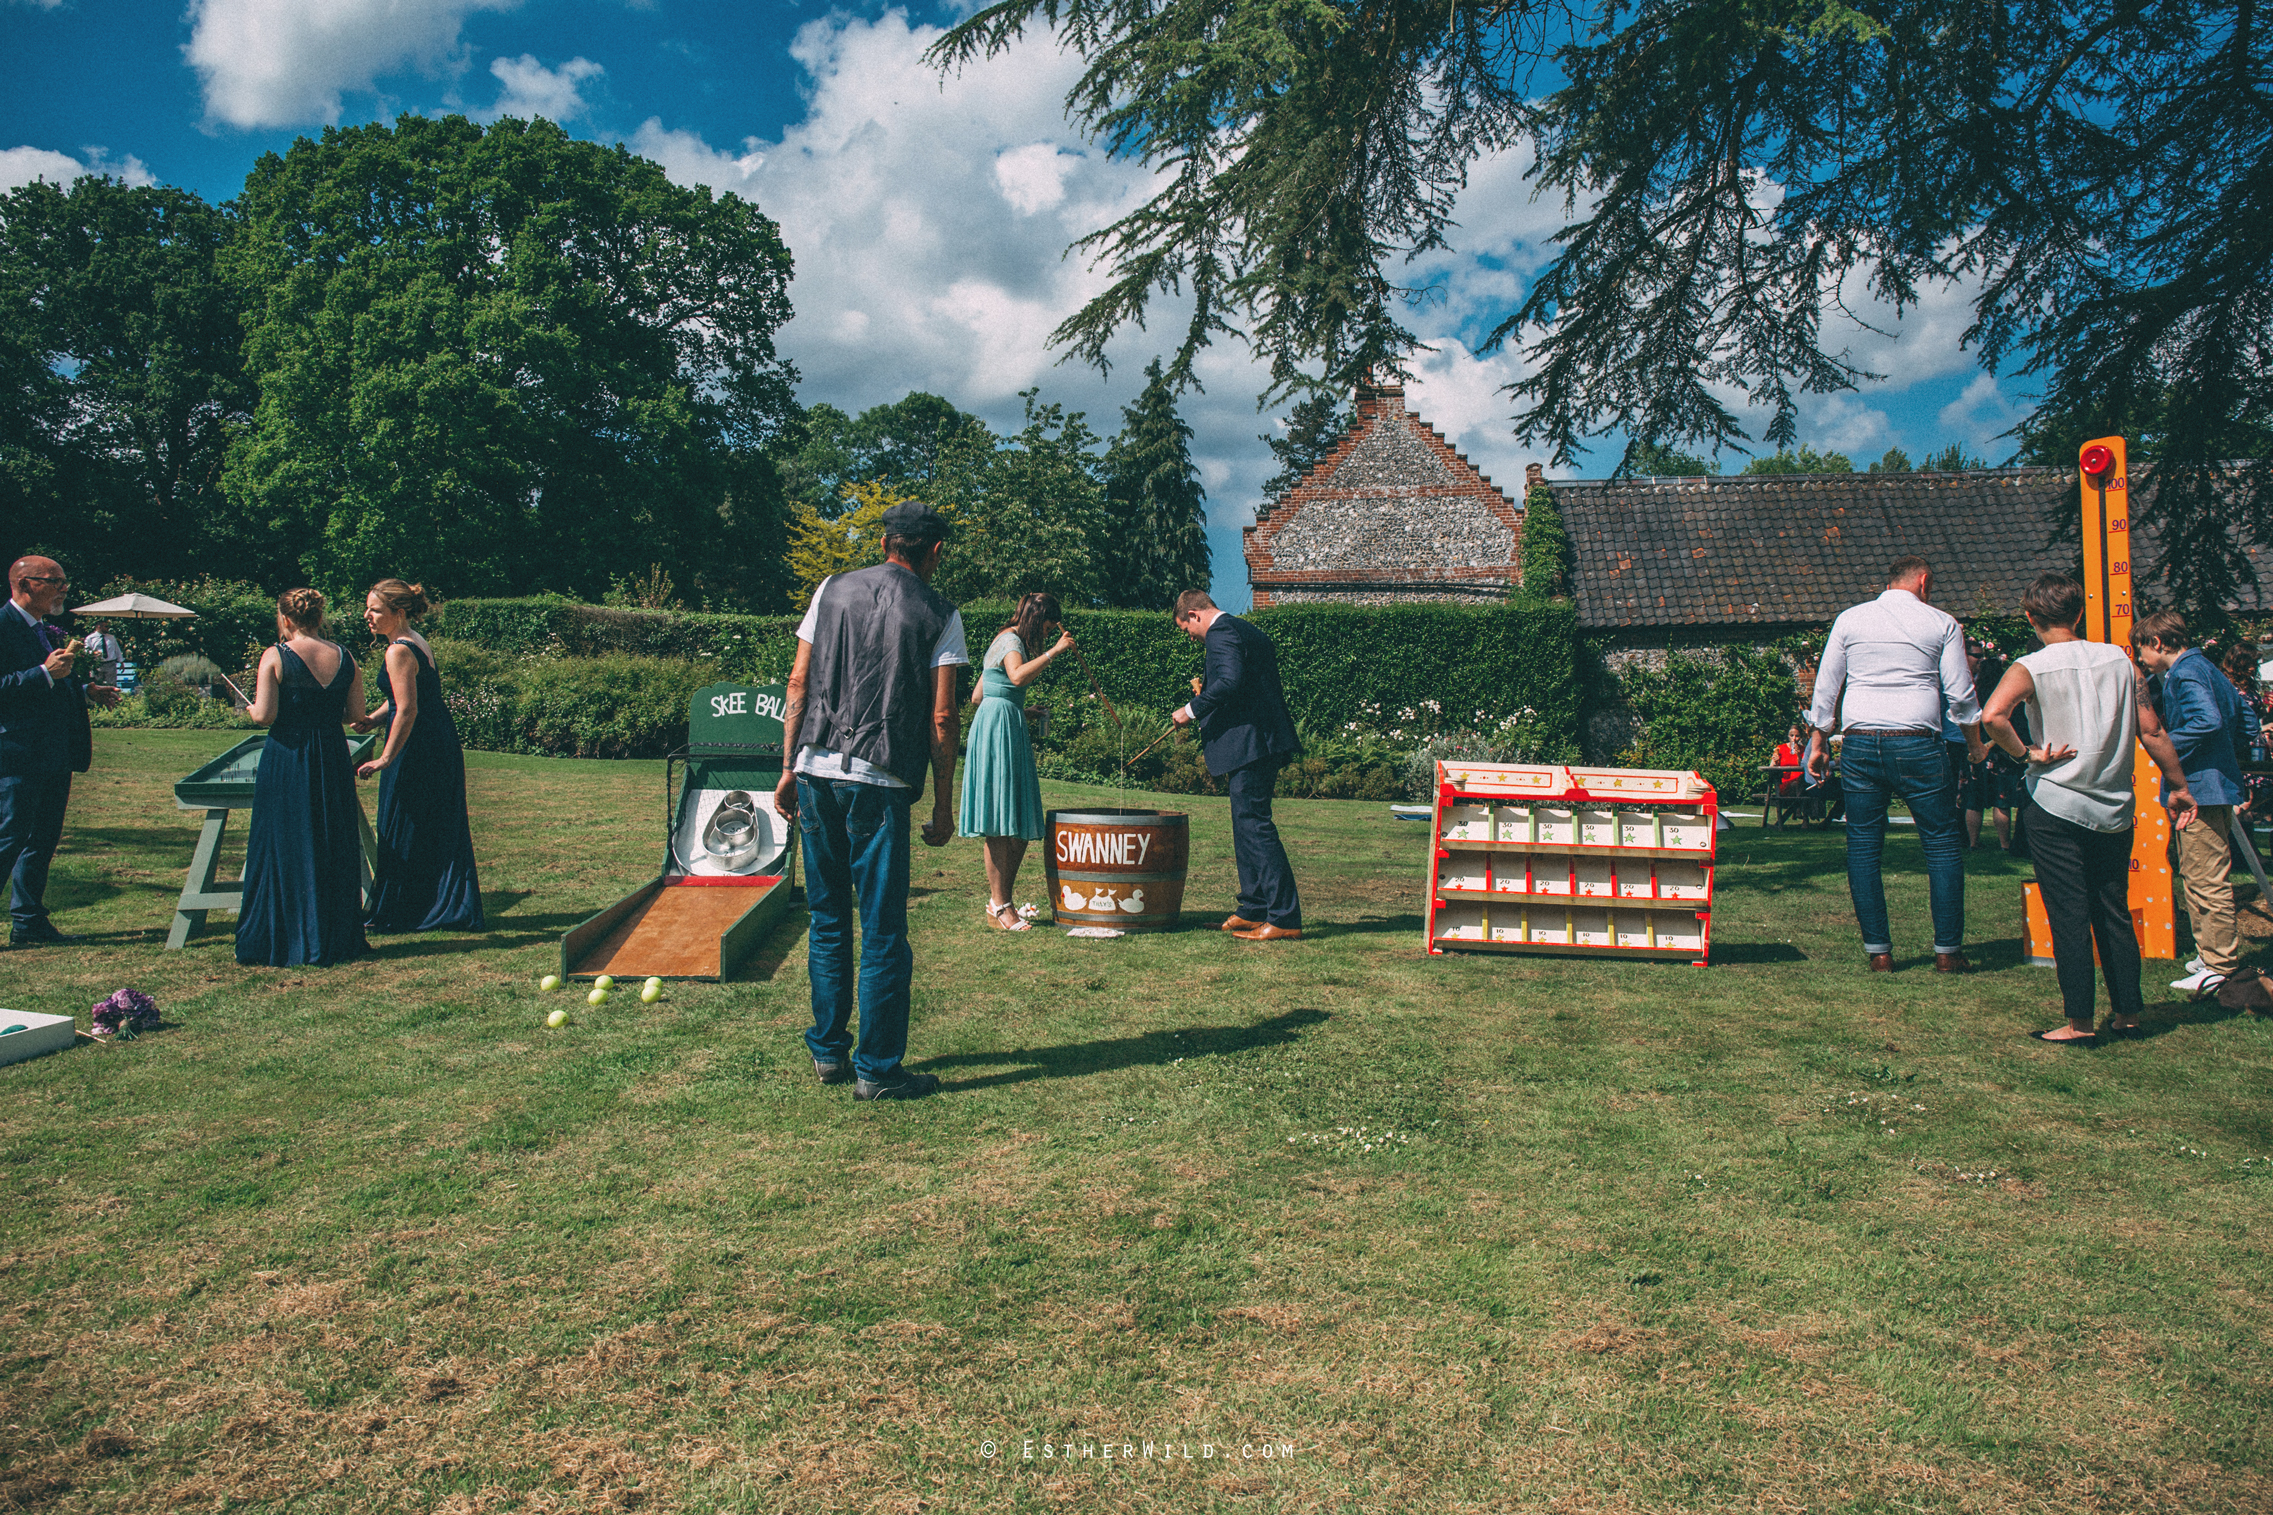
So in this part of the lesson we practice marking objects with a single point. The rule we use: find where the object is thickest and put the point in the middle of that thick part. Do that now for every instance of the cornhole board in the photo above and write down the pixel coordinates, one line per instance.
(24, 1034)
(701, 917)
(226, 784)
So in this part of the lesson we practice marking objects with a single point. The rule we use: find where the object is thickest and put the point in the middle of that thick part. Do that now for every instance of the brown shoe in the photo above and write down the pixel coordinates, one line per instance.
(1882, 962)
(1240, 923)
(1952, 962)
(1269, 933)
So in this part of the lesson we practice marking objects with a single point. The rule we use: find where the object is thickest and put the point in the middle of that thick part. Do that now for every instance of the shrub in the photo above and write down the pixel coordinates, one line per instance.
(166, 702)
(1721, 714)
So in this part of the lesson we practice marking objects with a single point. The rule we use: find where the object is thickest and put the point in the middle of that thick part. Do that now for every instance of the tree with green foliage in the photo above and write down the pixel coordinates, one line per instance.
(1895, 461)
(1547, 559)
(897, 445)
(1313, 428)
(1029, 510)
(2094, 173)
(1951, 459)
(1656, 460)
(1806, 460)
(510, 360)
(1156, 519)
(120, 355)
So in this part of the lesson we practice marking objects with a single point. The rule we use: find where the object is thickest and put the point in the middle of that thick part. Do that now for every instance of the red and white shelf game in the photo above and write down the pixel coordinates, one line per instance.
(1548, 858)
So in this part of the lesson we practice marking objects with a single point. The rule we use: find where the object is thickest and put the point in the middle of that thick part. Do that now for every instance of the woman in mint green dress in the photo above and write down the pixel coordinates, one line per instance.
(1002, 799)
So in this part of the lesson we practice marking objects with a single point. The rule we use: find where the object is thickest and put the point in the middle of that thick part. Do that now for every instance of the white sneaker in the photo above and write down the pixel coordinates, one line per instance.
(2194, 965)
(2195, 985)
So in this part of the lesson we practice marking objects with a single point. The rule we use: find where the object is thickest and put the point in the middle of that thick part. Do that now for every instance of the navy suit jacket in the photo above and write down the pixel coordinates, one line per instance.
(1241, 708)
(43, 726)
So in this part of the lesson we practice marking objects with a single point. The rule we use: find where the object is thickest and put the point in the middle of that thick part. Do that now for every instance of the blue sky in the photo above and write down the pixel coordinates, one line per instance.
(928, 217)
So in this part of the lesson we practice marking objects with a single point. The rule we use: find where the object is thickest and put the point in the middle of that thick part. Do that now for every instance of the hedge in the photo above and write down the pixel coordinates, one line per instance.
(1479, 664)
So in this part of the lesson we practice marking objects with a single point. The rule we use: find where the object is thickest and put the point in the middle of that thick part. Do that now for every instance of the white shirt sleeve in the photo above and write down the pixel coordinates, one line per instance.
(812, 621)
(1830, 676)
(1960, 704)
(949, 648)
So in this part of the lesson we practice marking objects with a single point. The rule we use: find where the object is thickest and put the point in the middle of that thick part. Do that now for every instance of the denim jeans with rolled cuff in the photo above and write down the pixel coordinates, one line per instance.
(1875, 768)
(856, 846)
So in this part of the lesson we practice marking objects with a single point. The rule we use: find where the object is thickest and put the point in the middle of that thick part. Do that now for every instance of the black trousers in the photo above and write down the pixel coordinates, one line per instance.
(31, 825)
(1266, 879)
(2085, 877)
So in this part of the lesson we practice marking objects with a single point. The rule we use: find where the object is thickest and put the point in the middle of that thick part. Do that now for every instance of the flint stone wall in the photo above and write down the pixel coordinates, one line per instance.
(1406, 531)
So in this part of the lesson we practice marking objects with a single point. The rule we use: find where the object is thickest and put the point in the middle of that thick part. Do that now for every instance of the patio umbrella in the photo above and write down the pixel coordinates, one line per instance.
(135, 607)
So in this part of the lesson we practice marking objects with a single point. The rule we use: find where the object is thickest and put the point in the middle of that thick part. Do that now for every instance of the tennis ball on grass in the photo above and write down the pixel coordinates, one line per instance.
(596, 997)
(604, 981)
(548, 983)
(651, 994)
(557, 1019)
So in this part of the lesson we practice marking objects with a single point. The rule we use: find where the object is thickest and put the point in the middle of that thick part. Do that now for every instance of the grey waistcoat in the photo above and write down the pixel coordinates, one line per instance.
(868, 688)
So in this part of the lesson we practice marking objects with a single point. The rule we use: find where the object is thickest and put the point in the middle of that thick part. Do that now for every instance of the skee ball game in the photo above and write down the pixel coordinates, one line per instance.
(729, 859)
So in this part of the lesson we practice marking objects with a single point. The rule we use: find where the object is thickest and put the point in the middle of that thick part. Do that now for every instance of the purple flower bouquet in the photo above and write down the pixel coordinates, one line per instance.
(126, 1015)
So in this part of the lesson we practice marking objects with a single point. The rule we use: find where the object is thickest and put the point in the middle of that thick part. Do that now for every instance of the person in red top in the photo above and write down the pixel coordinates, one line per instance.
(1788, 756)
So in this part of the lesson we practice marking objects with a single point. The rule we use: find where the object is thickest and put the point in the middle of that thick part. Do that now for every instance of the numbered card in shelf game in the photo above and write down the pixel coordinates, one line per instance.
(1511, 872)
(1637, 828)
(1598, 828)
(1594, 877)
(1680, 931)
(1687, 831)
(1464, 870)
(1508, 929)
(1590, 928)
(1551, 873)
(1512, 823)
(1636, 879)
(1634, 928)
(1680, 881)
(1557, 827)
(1551, 927)
(1467, 823)
(1460, 923)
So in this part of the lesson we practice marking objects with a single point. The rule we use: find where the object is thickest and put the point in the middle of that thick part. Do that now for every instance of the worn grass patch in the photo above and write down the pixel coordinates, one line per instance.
(1196, 1225)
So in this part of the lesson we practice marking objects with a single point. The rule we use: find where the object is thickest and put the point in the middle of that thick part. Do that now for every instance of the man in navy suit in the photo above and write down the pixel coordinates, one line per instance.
(1247, 737)
(43, 740)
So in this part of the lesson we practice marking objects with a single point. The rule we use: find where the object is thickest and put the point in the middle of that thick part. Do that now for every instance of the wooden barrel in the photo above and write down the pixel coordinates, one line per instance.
(1120, 868)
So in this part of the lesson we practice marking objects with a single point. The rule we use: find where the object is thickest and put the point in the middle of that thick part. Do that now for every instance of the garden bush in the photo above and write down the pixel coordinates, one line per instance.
(1721, 713)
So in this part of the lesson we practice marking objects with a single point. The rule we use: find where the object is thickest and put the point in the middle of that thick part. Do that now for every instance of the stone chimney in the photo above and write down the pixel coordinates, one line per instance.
(1374, 397)
(1533, 476)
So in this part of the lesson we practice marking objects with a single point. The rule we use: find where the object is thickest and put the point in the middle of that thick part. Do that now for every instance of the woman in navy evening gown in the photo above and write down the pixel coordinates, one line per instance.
(303, 899)
(425, 879)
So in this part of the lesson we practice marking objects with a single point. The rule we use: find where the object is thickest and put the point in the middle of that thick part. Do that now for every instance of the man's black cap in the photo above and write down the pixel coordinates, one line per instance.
(917, 522)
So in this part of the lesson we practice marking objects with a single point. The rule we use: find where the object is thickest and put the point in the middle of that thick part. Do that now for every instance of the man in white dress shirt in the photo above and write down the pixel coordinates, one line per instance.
(1892, 672)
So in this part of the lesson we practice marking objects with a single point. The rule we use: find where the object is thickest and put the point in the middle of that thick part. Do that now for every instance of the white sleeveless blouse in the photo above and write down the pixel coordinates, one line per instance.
(2085, 698)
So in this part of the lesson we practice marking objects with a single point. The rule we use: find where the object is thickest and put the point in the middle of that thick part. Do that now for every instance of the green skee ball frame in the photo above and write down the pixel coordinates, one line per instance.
(226, 784)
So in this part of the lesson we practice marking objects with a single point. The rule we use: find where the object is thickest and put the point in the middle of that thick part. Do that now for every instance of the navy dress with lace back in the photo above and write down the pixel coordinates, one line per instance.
(425, 878)
(303, 871)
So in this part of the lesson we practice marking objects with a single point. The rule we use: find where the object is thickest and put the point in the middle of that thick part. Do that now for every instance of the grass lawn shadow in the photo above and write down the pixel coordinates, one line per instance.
(1152, 1049)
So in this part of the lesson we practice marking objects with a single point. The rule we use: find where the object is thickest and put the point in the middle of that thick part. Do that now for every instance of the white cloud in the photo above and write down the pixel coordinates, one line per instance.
(531, 89)
(1032, 178)
(21, 165)
(289, 62)
(1980, 417)
(1844, 423)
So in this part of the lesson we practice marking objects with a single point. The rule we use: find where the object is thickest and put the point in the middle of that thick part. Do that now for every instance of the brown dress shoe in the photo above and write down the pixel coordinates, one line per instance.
(1270, 933)
(1952, 962)
(1882, 962)
(1240, 923)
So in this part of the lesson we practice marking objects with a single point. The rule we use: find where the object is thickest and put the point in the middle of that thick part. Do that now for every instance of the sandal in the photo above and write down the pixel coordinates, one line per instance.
(1017, 922)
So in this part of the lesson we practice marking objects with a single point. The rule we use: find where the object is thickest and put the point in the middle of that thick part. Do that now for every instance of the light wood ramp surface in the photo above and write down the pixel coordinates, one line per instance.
(674, 934)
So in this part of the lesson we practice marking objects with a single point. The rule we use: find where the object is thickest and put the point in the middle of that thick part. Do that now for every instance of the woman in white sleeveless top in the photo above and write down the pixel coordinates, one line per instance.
(2087, 709)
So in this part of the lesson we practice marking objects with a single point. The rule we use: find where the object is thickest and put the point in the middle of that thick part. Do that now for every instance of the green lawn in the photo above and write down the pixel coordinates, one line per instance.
(1440, 1234)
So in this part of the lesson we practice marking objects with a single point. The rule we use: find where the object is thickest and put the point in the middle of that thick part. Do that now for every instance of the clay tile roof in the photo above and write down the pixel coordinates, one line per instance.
(1788, 549)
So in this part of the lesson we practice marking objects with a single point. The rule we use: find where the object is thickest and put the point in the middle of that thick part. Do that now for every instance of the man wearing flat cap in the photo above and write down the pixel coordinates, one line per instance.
(871, 707)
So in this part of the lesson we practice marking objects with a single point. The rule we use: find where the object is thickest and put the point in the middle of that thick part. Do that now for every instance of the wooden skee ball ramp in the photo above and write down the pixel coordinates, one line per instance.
(726, 878)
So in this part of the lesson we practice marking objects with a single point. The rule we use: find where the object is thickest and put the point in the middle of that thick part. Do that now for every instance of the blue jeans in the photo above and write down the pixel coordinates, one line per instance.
(31, 827)
(856, 842)
(1874, 769)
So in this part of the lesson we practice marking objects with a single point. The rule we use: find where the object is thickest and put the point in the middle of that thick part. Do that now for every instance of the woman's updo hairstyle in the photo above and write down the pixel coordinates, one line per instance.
(304, 608)
(410, 601)
(1035, 611)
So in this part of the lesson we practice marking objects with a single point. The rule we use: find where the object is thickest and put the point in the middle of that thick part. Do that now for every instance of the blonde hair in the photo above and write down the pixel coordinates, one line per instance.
(304, 608)
(410, 601)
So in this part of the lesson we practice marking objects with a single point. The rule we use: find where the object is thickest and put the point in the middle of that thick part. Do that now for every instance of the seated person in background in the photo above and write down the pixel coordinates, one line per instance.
(1787, 756)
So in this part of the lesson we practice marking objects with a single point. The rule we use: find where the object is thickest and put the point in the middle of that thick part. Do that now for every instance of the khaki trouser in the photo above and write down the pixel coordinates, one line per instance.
(2205, 853)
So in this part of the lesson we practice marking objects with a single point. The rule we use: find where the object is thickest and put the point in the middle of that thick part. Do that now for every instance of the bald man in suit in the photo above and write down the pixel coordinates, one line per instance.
(44, 739)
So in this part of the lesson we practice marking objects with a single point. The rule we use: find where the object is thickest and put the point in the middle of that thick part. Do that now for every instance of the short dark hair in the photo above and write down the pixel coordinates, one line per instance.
(1907, 568)
(1191, 602)
(2053, 600)
(2165, 628)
